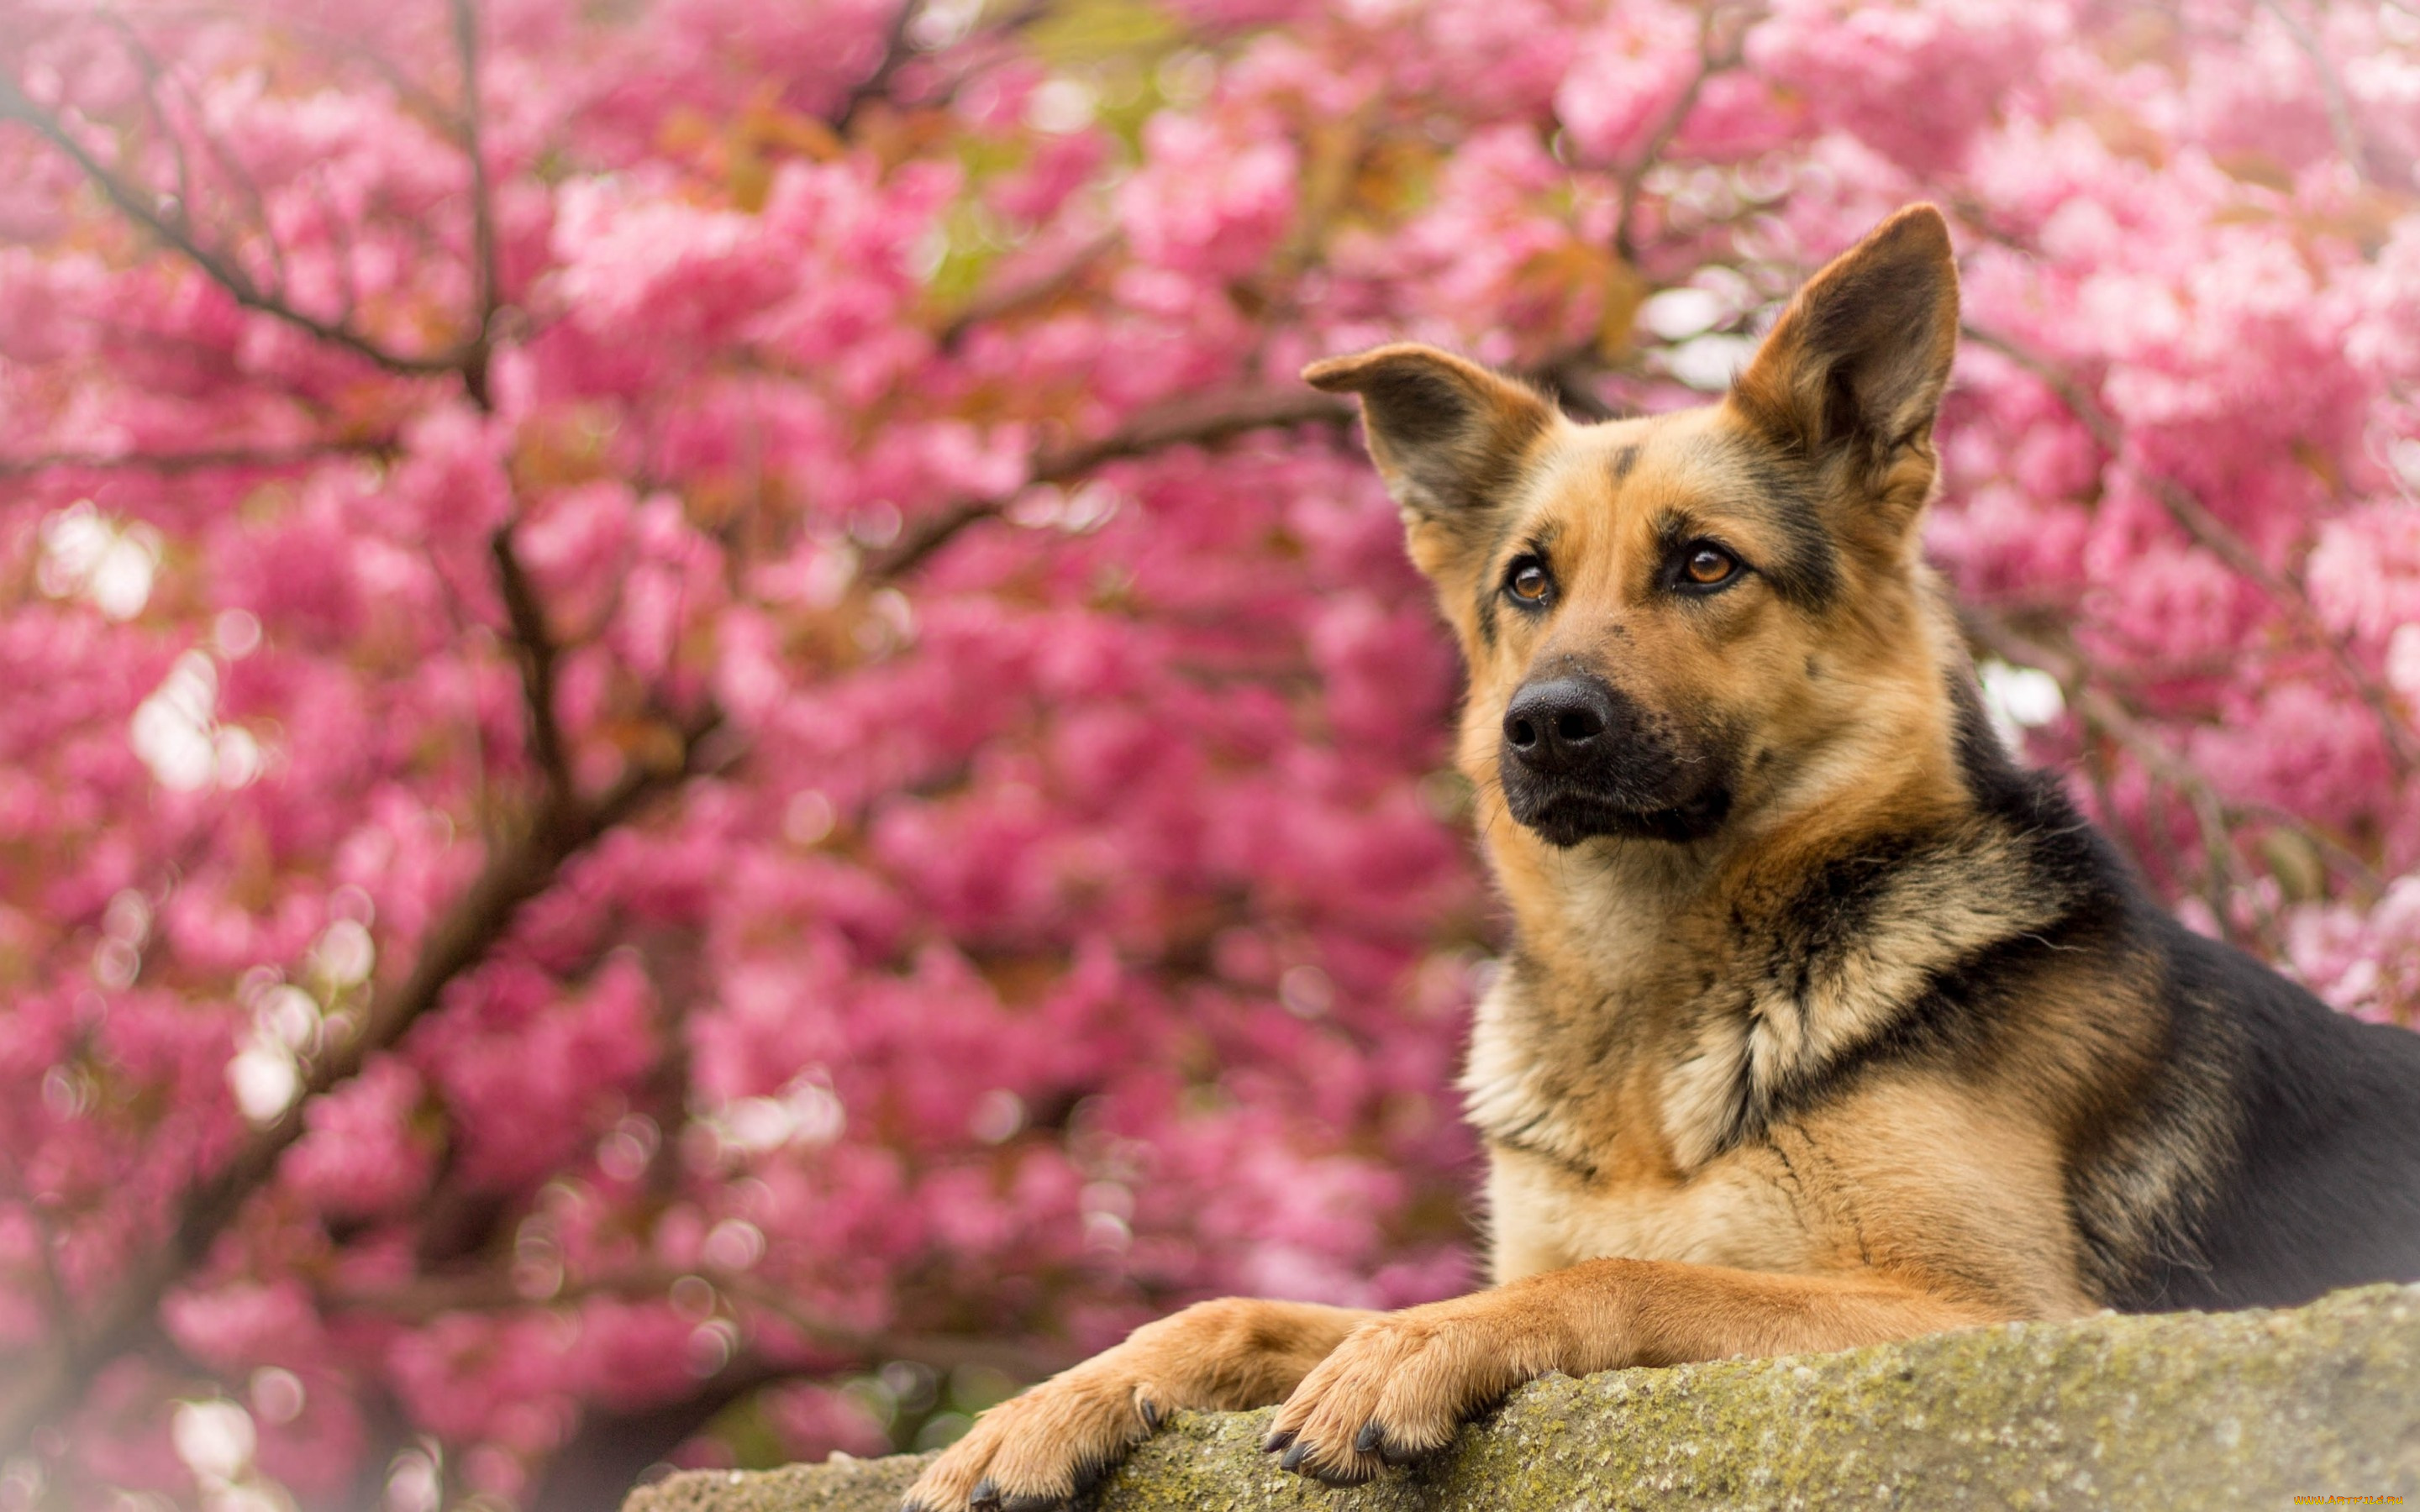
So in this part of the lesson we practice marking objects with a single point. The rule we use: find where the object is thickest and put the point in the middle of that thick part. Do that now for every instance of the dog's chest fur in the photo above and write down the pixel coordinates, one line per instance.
(1640, 1069)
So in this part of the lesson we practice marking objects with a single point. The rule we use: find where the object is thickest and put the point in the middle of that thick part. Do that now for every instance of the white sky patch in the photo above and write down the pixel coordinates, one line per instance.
(757, 1123)
(1707, 363)
(286, 1016)
(215, 1440)
(173, 727)
(927, 255)
(1046, 506)
(2019, 698)
(346, 953)
(2403, 659)
(265, 1079)
(808, 1112)
(1062, 106)
(238, 757)
(2403, 455)
(177, 734)
(1678, 313)
(944, 21)
(87, 555)
(413, 1483)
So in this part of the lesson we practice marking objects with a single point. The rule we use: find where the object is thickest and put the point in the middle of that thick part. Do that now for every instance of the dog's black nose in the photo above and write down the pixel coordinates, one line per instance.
(1560, 725)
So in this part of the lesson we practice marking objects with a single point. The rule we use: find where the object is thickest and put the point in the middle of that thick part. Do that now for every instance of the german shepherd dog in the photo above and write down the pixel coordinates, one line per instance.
(1823, 1023)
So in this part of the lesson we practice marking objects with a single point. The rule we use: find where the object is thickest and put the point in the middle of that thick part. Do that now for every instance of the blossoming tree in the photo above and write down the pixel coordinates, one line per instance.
(703, 756)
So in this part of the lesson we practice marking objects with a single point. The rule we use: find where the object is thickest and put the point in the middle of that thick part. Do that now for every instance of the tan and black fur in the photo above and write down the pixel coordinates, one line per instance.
(1823, 1024)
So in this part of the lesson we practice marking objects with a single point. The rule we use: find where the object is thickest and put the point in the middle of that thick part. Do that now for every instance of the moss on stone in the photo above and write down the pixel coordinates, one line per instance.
(2169, 1412)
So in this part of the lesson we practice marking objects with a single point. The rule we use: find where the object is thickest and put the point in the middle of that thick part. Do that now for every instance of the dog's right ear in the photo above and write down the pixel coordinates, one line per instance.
(1851, 374)
(1447, 435)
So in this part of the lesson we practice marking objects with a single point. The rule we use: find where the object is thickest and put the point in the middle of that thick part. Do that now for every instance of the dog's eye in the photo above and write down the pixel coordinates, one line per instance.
(1706, 565)
(1529, 582)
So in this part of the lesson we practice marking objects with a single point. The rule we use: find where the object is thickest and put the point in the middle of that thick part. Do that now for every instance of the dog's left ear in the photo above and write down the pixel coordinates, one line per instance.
(1447, 435)
(1853, 369)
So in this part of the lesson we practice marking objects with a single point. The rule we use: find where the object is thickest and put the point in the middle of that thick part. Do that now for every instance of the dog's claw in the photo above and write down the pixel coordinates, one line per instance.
(1371, 1440)
(1151, 1414)
(986, 1494)
(1296, 1453)
(1277, 1441)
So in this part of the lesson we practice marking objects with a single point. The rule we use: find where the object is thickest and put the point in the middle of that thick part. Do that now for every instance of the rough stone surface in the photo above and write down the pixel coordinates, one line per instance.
(2247, 1410)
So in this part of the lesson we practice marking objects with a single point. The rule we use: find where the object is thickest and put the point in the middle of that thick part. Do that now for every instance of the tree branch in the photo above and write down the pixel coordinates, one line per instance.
(1192, 422)
(560, 829)
(201, 461)
(2213, 535)
(487, 293)
(537, 654)
(612, 1449)
(560, 825)
(875, 85)
(1026, 293)
(1711, 61)
(137, 206)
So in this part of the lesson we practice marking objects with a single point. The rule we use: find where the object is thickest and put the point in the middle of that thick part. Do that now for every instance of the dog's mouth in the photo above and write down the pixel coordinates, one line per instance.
(1564, 815)
(1581, 759)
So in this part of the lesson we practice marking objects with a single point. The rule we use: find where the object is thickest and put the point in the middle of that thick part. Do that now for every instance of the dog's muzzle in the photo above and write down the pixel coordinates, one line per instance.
(1580, 759)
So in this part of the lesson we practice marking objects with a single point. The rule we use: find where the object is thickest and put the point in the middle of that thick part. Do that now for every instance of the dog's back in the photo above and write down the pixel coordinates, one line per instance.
(2323, 1188)
(2268, 1149)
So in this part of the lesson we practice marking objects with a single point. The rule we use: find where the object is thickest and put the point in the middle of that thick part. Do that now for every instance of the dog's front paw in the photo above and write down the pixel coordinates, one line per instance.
(1393, 1391)
(1036, 1451)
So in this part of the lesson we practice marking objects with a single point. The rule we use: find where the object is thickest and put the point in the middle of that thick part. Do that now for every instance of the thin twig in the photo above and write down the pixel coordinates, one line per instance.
(150, 68)
(154, 74)
(2332, 90)
(486, 290)
(230, 164)
(137, 206)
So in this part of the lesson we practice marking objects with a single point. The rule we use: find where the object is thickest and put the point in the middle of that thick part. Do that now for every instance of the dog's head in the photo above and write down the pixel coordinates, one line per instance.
(1675, 623)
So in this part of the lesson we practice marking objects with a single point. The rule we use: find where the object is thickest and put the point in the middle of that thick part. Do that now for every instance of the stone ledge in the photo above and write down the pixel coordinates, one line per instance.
(2176, 1410)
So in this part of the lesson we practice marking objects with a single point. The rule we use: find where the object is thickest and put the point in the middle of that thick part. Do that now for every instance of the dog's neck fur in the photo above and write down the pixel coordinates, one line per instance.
(1676, 989)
